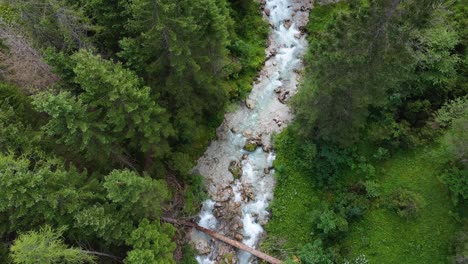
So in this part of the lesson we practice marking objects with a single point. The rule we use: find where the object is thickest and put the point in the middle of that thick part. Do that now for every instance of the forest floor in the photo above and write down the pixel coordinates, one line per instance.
(381, 235)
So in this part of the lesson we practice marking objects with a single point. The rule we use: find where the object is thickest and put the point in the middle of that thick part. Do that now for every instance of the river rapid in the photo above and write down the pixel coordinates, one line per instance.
(240, 183)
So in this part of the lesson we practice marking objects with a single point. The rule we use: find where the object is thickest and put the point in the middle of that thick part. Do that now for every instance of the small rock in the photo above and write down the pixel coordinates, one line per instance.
(247, 133)
(278, 90)
(239, 237)
(267, 11)
(266, 148)
(245, 156)
(236, 169)
(249, 103)
(202, 247)
(283, 96)
(250, 146)
(249, 193)
(287, 23)
(266, 171)
(233, 130)
(297, 35)
(223, 195)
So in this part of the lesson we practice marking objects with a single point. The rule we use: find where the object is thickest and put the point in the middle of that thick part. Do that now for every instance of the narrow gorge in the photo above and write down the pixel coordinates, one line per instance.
(238, 166)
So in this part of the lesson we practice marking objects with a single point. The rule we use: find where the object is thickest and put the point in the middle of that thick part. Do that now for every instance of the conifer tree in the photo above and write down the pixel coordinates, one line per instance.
(180, 49)
(111, 114)
(47, 247)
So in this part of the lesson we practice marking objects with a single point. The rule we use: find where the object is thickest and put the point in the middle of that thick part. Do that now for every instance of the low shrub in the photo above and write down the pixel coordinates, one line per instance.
(406, 203)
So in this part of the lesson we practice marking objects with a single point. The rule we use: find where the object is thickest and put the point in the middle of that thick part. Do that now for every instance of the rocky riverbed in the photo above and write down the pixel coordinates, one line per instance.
(238, 166)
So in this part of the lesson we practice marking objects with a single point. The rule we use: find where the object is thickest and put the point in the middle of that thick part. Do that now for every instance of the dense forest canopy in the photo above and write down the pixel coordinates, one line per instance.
(105, 106)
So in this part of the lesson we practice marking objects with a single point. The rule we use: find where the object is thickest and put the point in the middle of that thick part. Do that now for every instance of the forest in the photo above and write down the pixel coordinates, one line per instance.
(106, 106)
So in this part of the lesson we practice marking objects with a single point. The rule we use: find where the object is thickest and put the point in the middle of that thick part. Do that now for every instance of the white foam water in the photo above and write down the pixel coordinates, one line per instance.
(285, 52)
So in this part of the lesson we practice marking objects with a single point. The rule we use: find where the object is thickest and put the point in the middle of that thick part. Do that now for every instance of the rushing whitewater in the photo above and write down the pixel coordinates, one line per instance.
(238, 206)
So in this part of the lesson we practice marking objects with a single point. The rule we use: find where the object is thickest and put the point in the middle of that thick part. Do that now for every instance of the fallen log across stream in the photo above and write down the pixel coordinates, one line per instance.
(225, 239)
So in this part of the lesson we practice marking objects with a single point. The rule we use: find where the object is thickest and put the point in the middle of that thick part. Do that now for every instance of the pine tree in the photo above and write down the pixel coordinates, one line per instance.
(151, 243)
(180, 49)
(47, 247)
(356, 63)
(111, 114)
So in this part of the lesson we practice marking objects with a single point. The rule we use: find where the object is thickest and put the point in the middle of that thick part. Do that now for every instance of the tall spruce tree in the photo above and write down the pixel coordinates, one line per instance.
(355, 62)
(180, 49)
(113, 114)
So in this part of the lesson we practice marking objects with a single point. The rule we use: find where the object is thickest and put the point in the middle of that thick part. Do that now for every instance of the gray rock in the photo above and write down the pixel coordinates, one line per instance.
(249, 103)
(202, 247)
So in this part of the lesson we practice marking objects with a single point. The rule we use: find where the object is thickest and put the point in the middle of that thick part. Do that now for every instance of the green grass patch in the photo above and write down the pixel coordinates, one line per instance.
(381, 235)
(295, 196)
(385, 237)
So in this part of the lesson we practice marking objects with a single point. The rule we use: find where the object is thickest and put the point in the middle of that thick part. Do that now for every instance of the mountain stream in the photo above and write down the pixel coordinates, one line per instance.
(240, 182)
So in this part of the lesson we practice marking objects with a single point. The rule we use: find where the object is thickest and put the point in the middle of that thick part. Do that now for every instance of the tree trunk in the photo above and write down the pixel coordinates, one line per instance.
(102, 255)
(226, 240)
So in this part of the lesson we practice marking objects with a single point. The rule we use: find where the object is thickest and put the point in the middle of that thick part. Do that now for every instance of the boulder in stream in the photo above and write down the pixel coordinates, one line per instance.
(235, 167)
(267, 148)
(249, 103)
(283, 96)
(202, 247)
(250, 146)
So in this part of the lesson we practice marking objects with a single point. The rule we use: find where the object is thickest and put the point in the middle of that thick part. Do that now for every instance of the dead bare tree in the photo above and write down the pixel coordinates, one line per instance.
(22, 64)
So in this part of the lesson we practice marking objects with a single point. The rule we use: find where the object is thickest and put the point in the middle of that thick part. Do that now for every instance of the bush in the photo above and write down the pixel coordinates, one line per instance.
(188, 255)
(194, 194)
(329, 223)
(372, 189)
(314, 253)
(406, 203)
(450, 111)
(457, 181)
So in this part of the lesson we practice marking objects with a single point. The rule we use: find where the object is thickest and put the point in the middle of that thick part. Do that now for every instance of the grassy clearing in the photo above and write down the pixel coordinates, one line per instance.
(384, 237)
